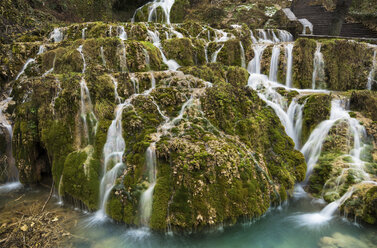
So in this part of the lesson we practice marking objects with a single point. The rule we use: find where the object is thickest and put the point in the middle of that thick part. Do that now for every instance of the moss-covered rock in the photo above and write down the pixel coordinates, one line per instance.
(316, 109)
(362, 204)
(184, 51)
(303, 53)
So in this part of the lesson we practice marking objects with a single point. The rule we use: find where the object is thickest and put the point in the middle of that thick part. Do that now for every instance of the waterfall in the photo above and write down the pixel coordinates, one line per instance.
(122, 33)
(266, 92)
(274, 65)
(221, 36)
(254, 65)
(318, 66)
(113, 156)
(60, 193)
(243, 59)
(41, 49)
(325, 215)
(154, 36)
(87, 114)
(206, 52)
(274, 38)
(113, 151)
(103, 56)
(253, 39)
(79, 49)
(294, 113)
(56, 35)
(372, 71)
(313, 146)
(29, 61)
(115, 82)
(135, 83)
(147, 58)
(289, 59)
(146, 198)
(83, 33)
(263, 36)
(214, 55)
(285, 36)
(306, 24)
(177, 34)
(154, 7)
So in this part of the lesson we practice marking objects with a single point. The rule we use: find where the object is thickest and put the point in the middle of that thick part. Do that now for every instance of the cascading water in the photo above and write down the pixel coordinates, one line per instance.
(102, 53)
(154, 7)
(285, 36)
(372, 71)
(263, 36)
(266, 92)
(147, 57)
(115, 82)
(113, 151)
(289, 59)
(146, 198)
(135, 83)
(243, 59)
(294, 113)
(221, 36)
(154, 36)
(325, 215)
(28, 62)
(83, 33)
(318, 66)
(57, 35)
(214, 55)
(253, 39)
(122, 33)
(312, 151)
(274, 65)
(113, 159)
(313, 146)
(206, 52)
(87, 115)
(254, 65)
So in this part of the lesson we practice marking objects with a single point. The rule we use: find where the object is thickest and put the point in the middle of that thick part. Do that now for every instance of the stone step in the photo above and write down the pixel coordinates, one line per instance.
(322, 19)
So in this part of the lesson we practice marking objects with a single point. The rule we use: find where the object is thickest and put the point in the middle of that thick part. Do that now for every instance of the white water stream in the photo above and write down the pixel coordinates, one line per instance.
(318, 66)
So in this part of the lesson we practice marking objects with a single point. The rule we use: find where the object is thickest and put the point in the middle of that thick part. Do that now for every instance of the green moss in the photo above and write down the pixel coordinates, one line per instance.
(179, 11)
(342, 58)
(161, 197)
(364, 101)
(316, 109)
(303, 53)
(230, 54)
(81, 177)
(321, 173)
(115, 209)
(184, 51)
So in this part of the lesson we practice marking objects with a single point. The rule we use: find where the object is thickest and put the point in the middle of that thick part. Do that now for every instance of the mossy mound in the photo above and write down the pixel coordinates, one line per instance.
(363, 203)
(316, 109)
(215, 165)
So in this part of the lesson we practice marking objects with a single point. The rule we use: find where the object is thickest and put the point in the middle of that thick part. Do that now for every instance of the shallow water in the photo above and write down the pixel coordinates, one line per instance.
(280, 227)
